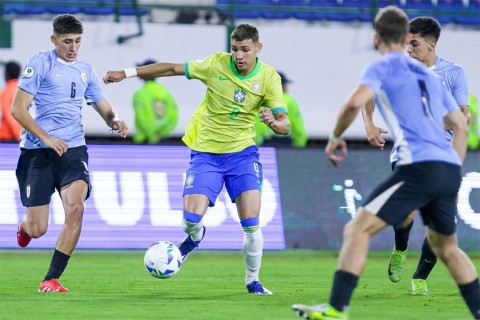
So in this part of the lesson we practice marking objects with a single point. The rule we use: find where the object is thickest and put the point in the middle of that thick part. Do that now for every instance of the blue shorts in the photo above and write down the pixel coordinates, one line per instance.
(41, 171)
(240, 171)
(431, 187)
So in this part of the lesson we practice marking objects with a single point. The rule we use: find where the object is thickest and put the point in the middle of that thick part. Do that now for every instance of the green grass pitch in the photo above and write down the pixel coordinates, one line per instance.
(210, 285)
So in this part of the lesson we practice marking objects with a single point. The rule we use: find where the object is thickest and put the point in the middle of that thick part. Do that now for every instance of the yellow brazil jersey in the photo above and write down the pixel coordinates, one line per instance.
(224, 120)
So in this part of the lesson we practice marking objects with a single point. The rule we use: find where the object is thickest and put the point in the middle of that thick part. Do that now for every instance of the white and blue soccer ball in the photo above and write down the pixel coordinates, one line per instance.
(163, 259)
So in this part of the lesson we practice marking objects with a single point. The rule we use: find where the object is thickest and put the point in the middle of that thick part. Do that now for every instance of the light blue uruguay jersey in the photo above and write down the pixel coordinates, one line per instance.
(454, 78)
(412, 101)
(59, 88)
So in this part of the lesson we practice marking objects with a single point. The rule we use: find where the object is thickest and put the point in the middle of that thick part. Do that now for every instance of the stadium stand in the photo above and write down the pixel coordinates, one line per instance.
(89, 7)
(464, 12)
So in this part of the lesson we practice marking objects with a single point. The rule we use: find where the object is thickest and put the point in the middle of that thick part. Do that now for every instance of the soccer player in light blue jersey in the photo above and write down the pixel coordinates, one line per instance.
(220, 134)
(425, 34)
(415, 106)
(48, 105)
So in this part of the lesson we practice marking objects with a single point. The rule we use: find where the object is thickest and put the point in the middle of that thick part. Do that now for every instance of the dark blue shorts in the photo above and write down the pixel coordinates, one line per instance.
(240, 171)
(431, 187)
(41, 171)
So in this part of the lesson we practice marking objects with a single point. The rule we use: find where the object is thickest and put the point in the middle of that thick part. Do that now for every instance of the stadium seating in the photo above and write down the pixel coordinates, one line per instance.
(102, 7)
(466, 12)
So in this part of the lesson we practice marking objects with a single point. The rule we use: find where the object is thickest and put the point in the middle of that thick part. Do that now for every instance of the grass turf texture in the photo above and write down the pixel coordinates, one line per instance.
(210, 285)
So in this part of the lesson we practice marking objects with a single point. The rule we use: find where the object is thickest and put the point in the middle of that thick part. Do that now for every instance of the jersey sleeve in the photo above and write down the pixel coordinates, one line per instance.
(199, 69)
(94, 91)
(460, 88)
(273, 98)
(373, 75)
(449, 101)
(33, 74)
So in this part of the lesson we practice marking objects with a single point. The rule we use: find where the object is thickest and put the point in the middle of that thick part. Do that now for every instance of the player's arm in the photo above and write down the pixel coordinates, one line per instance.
(466, 112)
(106, 111)
(374, 134)
(161, 69)
(19, 111)
(278, 121)
(347, 114)
(456, 121)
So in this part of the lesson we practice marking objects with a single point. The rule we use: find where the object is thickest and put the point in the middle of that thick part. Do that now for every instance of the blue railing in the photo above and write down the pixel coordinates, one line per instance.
(446, 11)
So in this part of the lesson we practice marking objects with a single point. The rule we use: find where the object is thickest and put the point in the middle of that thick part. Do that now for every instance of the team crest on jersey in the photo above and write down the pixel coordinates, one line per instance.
(189, 182)
(84, 77)
(256, 87)
(28, 72)
(239, 96)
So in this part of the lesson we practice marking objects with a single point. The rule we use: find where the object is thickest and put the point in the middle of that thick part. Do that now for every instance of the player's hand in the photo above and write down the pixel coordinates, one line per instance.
(266, 116)
(331, 151)
(374, 136)
(121, 127)
(114, 76)
(58, 145)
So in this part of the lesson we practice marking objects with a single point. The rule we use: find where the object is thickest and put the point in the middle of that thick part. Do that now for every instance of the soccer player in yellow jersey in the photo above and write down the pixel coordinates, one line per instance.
(220, 134)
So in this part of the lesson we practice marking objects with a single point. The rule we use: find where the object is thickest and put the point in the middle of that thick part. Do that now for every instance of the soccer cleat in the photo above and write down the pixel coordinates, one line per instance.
(257, 288)
(187, 245)
(51, 285)
(396, 267)
(23, 239)
(419, 287)
(319, 311)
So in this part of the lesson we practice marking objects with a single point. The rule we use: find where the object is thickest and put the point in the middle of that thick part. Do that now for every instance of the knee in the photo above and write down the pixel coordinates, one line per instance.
(445, 252)
(37, 230)
(349, 230)
(74, 213)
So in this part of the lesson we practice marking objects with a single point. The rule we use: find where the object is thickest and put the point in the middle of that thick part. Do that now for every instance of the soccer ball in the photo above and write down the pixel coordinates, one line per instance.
(163, 259)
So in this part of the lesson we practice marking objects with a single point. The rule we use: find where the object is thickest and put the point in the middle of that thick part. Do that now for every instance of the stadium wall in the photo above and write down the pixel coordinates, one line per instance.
(318, 199)
(323, 59)
(137, 199)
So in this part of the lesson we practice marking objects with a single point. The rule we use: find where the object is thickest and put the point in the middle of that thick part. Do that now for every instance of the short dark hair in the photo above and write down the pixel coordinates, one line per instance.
(391, 24)
(67, 24)
(244, 32)
(426, 27)
(12, 70)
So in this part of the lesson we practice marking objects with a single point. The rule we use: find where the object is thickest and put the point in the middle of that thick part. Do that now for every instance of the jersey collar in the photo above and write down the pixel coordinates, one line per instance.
(238, 75)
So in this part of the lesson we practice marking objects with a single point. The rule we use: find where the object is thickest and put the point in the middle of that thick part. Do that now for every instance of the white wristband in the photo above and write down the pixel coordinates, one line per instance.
(333, 137)
(130, 72)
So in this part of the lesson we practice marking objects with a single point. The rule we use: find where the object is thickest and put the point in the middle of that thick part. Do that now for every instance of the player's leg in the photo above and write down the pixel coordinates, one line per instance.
(34, 224)
(243, 181)
(248, 206)
(36, 184)
(195, 206)
(460, 266)
(389, 204)
(351, 263)
(427, 261)
(396, 266)
(73, 197)
(73, 183)
(353, 255)
(202, 186)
